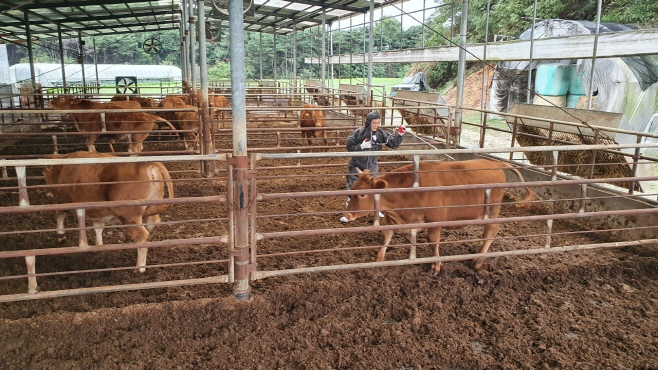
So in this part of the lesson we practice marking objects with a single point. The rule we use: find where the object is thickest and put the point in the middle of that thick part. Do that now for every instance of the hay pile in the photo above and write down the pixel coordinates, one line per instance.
(576, 162)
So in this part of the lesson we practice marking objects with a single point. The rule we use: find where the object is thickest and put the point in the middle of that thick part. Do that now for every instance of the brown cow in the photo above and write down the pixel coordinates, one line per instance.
(217, 101)
(144, 102)
(146, 181)
(183, 121)
(91, 122)
(312, 118)
(184, 97)
(446, 205)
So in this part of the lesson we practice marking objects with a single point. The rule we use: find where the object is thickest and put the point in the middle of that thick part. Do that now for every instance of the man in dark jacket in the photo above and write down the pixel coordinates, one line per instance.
(369, 138)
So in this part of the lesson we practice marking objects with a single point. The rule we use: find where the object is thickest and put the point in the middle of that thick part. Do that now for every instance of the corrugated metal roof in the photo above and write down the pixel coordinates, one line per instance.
(103, 17)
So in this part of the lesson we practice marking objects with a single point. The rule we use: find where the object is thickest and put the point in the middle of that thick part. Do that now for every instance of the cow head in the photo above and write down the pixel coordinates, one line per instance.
(63, 102)
(363, 204)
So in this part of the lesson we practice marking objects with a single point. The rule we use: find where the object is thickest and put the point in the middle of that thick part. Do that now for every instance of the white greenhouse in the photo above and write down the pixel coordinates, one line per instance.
(50, 74)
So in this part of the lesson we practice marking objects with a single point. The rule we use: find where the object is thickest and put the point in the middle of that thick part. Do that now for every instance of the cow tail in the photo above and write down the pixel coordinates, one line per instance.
(160, 119)
(165, 174)
(530, 195)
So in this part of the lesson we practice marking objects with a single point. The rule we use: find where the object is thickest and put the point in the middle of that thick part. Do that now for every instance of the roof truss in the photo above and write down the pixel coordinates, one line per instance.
(102, 17)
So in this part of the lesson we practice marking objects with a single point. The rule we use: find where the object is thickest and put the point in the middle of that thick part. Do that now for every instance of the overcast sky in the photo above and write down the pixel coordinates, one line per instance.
(408, 7)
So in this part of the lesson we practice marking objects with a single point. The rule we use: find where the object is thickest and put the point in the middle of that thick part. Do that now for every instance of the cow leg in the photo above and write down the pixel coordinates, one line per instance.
(112, 141)
(152, 222)
(490, 232)
(434, 236)
(139, 234)
(388, 235)
(89, 141)
(98, 228)
(61, 236)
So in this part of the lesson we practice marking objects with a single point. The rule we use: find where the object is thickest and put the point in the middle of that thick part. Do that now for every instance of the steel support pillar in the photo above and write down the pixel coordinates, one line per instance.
(596, 44)
(371, 44)
(82, 62)
(192, 46)
(61, 55)
(274, 63)
(461, 72)
(240, 159)
(532, 49)
(324, 48)
(206, 120)
(30, 54)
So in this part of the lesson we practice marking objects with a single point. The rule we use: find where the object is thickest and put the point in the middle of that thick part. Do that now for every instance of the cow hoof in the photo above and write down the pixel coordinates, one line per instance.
(436, 268)
(61, 239)
(478, 265)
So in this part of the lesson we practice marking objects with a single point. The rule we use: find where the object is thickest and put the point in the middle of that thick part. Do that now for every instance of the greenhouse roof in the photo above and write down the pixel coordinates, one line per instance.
(103, 17)
(50, 74)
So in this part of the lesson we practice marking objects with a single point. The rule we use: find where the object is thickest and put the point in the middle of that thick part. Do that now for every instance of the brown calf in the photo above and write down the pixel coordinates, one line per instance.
(183, 121)
(312, 118)
(435, 206)
(145, 181)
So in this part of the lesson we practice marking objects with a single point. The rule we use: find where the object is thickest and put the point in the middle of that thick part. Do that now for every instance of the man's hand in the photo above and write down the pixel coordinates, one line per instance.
(401, 130)
(366, 144)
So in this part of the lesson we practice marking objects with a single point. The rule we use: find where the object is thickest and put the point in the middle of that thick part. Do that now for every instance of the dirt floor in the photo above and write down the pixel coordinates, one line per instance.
(577, 310)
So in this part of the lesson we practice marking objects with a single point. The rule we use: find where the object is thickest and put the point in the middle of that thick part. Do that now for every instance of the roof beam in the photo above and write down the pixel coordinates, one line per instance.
(108, 26)
(610, 44)
(324, 5)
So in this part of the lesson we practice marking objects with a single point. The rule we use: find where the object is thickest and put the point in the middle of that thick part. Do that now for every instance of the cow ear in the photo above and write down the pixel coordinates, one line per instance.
(379, 184)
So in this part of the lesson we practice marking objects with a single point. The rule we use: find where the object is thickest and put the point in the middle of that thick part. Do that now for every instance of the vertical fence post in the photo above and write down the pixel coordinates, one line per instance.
(583, 196)
(55, 151)
(483, 129)
(80, 214)
(231, 218)
(592, 161)
(30, 262)
(412, 249)
(511, 154)
(549, 230)
(416, 170)
(23, 200)
(487, 200)
(636, 159)
(554, 169)
(252, 186)
(377, 199)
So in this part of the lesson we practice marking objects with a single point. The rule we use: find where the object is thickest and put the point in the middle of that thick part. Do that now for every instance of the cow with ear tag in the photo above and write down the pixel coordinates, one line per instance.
(435, 206)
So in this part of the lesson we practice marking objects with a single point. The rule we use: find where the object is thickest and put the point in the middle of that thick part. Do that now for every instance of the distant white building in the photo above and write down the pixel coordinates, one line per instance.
(50, 74)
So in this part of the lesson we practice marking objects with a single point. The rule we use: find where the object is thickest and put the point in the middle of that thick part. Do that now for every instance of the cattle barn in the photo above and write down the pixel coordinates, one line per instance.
(208, 223)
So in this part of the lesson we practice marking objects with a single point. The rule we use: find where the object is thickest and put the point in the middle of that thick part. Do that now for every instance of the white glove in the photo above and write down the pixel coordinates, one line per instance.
(366, 144)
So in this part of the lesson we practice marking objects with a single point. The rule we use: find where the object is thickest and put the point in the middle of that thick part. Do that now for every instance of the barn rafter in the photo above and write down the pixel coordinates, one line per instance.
(95, 17)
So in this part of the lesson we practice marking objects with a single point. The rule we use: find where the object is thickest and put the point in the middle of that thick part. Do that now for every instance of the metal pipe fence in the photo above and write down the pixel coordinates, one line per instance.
(295, 196)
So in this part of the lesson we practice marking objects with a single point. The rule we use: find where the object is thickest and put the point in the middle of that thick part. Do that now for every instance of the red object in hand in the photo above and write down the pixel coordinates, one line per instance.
(400, 129)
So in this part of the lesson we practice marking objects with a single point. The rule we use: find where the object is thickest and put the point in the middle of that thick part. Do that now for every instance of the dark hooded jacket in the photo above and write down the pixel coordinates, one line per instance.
(379, 138)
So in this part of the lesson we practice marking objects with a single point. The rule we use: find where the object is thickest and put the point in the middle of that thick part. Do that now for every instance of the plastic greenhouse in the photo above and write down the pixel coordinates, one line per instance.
(49, 75)
(626, 85)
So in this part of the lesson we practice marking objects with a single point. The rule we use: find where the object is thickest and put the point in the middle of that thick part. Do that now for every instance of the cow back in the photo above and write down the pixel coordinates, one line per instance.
(455, 205)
